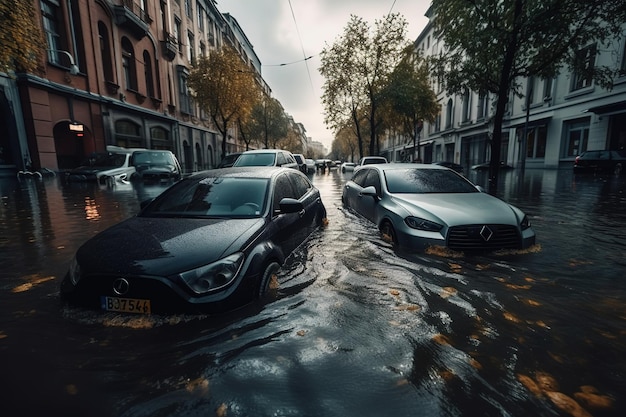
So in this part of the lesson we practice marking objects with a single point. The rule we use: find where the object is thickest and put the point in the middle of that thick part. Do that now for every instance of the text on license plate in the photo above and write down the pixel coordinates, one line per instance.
(125, 305)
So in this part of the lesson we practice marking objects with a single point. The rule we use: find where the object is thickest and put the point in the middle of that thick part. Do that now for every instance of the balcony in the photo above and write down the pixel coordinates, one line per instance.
(130, 16)
(170, 47)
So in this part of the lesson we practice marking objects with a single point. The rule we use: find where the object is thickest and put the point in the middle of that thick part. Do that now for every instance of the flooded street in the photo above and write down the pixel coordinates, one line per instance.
(354, 329)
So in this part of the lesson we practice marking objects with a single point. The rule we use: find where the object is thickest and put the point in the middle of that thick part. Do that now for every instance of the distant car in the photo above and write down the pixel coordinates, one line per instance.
(323, 164)
(485, 166)
(310, 165)
(209, 243)
(266, 158)
(454, 166)
(155, 166)
(301, 162)
(422, 205)
(612, 162)
(106, 167)
(368, 160)
(228, 160)
(347, 166)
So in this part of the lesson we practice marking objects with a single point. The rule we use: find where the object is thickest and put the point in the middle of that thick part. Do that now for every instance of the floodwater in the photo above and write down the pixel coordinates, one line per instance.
(354, 329)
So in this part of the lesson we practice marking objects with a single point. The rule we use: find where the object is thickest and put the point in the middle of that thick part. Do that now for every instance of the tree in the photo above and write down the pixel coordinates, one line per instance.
(224, 87)
(409, 98)
(355, 68)
(493, 44)
(21, 38)
(267, 123)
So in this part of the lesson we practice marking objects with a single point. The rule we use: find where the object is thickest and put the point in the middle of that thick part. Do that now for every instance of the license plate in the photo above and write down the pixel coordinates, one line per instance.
(125, 305)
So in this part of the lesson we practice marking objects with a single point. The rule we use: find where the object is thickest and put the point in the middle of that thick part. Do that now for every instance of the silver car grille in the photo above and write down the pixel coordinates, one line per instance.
(483, 237)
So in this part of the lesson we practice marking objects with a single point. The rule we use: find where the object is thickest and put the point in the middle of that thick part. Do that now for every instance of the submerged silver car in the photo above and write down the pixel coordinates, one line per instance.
(421, 205)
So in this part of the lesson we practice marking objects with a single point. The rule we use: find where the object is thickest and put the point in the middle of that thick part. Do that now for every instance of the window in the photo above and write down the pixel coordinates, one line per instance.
(200, 13)
(128, 63)
(159, 139)
(184, 94)
(483, 106)
(623, 66)
(105, 51)
(177, 34)
(282, 189)
(467, 109)
(52, 26)
(188, 9)
(547, 89)
(535, 141)
(149, 76)
(300, 184)
(127, 134)
(577, 136)
(585, 61)
(449, 114)
(191, 48)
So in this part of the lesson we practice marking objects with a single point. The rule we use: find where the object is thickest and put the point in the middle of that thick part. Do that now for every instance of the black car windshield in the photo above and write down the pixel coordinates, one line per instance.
(415, 180)
(107, 160)
(255, 160)
(221, 197)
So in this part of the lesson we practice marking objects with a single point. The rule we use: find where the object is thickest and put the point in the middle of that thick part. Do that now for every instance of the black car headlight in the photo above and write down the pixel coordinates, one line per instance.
(422, 224)
(74, 271)
(213, 276)
(525, 224)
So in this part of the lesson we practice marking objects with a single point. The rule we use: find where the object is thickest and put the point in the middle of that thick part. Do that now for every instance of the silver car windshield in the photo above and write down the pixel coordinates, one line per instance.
(212, 197)
(415, 180)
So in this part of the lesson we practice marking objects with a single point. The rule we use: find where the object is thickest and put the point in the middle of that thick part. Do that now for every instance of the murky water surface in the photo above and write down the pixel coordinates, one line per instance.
(355, 328)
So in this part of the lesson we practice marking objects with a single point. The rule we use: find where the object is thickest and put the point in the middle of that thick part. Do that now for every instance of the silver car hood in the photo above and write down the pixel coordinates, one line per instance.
(459, 208)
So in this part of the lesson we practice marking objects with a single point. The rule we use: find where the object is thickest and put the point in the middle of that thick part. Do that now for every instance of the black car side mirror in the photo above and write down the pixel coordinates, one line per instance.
(290, 205)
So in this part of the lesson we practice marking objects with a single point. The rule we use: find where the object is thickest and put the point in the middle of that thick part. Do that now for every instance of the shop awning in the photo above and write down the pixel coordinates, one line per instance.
(608, 108)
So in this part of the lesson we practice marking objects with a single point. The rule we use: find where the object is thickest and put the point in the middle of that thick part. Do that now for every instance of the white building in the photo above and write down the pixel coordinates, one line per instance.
(567, 115)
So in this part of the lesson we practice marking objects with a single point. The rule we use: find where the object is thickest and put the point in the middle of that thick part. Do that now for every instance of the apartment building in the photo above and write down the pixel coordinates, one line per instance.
(556, 120)
(115, 72)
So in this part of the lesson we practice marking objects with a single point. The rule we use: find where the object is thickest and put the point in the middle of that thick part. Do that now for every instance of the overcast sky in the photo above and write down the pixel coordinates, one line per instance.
(282, 37)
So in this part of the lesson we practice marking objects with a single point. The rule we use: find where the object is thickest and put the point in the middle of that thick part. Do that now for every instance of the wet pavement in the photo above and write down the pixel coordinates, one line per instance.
(355, 328)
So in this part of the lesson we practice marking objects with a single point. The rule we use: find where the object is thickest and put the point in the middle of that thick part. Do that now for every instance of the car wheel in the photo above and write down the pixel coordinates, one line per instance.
(618, 169)
(388, 232)
(268, 279)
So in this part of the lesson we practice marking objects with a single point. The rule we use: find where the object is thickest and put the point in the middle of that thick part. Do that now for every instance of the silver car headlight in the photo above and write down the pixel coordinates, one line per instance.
(74, 271)
(213, 276)
(525, 224)
(422, 224)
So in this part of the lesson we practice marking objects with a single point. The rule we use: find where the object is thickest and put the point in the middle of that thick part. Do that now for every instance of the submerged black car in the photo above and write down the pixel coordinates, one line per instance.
(209, 243)
(152, 165)
(611, 162)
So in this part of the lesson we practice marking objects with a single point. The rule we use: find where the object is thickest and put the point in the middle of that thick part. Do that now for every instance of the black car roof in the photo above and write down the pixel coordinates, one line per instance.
(246, 171)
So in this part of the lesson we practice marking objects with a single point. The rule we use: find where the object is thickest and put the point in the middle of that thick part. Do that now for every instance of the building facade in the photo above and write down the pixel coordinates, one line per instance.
(115, 73)
(555, 121)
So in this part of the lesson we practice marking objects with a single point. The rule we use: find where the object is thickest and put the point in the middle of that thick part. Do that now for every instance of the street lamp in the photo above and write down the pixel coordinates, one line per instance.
(73, 67)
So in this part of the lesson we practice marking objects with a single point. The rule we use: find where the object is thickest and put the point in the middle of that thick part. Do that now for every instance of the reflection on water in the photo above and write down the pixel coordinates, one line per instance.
(353, 329)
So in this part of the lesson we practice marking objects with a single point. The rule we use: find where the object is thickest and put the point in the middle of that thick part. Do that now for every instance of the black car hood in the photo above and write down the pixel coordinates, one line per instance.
(165, 246)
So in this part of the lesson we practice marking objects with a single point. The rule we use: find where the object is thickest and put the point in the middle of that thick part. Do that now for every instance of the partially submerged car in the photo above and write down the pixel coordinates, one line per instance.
(228, 160)
(266, 158)
(107, 167)
(369, 160)
(210, 243)
(155, 166)
(600, 161)
(422, 205)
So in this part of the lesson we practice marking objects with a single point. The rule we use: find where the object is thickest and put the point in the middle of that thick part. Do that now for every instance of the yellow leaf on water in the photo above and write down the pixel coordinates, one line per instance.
(567, 404)
(447, 292)
(198, 385)
(395, 293)
(221, 410)
(325, 221)
(441, 340)
(546, 381)
(301, 332)
(511, 317)
(529, 384)
(590, 398)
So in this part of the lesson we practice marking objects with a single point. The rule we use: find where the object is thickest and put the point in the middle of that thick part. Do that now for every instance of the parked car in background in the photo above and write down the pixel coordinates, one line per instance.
(368, 160)
(347, 167)
(301, 162)
(105, 168)
(266, 158)
(485, 166)
(228, 160)
(310, 165)
(210, 243)
(612, 162)
(155, 166)
(422, 205)
(454, 166)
